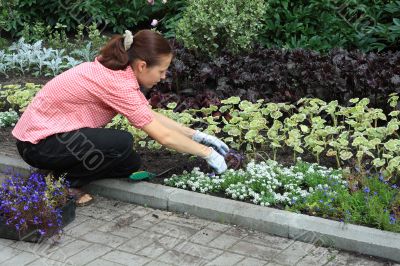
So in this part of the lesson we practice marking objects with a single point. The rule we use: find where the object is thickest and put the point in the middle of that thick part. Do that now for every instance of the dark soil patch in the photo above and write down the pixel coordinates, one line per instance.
(162, 160)
(14, 79)
(7, 142)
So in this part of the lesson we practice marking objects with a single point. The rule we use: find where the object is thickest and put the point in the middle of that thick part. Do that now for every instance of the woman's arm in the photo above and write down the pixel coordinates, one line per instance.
(171, 124)
(170, 136)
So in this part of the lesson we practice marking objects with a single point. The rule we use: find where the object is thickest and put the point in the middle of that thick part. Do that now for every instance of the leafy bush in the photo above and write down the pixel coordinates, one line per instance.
(210, 26)
(114, 15)
(286, 76)
(323, 25)
(23, 58)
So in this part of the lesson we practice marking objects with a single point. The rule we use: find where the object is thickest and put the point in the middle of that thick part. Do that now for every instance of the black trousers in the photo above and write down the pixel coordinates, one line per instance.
(84, 155)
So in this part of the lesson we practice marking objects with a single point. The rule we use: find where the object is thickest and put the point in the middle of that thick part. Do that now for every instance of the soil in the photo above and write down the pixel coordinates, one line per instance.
(22, 79)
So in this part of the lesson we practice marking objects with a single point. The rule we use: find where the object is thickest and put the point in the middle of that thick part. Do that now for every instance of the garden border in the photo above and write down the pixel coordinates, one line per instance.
(355, 238)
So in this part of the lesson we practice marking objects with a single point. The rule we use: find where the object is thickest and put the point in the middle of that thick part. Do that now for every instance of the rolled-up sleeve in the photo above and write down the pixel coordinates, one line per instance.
(130, 102)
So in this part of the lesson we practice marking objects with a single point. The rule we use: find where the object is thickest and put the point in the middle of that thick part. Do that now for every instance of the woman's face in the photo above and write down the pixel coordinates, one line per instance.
(148, 77)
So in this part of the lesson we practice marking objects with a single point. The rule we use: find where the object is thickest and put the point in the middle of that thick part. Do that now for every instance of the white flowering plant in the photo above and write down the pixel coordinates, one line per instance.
(265, 183)
(305, 188)
(8, 118)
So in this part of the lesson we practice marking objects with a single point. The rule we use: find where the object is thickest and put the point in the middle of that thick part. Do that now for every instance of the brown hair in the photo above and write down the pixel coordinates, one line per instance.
(147, 45)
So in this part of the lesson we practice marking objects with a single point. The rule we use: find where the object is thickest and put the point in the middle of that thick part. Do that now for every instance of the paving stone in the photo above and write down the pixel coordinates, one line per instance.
(7, 253)
(157, 263)
(237, 231)
(198, 250)
(49, 262)
(172, 229)
(339, 259)
(77, 221)
(226, 258)
(319, 256)
(141, 211)
(159, 246)
(218, 227)
(293, 253)
(145, 222)
(20, 259)
(42, 249)
(189, 221)
(62, 254)
(264, 239)
(92, 252)
(224, 241)
(251, 261)
(111, 204)
(358, 260)
(104, 238)
(139, 242)
(124, 231)
(61, 241)
(100, 213)
(84, 228)
(6, 242)
(101, 262)
(125, 258)
(257, 251)
(178, 258)
(204, 236)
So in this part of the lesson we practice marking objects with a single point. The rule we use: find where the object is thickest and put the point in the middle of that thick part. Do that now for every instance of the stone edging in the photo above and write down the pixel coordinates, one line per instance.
(300, 227)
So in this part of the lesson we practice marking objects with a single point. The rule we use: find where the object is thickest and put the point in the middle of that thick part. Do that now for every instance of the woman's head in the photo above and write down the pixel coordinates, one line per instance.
(149, 54)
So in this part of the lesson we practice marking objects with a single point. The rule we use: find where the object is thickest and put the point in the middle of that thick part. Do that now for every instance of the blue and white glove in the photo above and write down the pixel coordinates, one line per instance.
(211, 141)
(216, 162)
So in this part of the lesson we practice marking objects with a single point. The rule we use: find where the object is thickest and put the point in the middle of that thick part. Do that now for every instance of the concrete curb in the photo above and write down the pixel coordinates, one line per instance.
(8, 163)
(300, 227)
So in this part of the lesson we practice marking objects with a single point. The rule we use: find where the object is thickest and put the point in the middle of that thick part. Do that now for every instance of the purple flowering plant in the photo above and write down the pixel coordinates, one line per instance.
(33, 202)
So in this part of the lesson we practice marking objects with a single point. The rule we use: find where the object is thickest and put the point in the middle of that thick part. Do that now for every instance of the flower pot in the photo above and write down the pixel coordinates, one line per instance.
(32, 233)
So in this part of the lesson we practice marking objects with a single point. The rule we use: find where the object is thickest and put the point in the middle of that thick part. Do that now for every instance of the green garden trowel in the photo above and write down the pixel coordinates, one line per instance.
(143, 175)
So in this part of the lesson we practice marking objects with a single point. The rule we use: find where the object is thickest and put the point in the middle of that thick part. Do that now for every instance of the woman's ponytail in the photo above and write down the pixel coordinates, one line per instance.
(145, 45)
(113, 55)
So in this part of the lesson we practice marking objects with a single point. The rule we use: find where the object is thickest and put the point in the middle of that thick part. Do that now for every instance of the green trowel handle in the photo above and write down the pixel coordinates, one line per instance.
(141, 175)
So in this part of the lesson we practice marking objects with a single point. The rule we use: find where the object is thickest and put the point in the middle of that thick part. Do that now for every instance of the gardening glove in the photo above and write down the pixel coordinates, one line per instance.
(211, 141)
(216, 161)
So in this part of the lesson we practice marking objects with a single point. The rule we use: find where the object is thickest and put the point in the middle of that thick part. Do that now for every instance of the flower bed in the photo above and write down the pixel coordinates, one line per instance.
(306, 188)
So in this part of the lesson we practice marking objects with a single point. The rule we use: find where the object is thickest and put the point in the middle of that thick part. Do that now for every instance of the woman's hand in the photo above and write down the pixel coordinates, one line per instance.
(216, 161)
(211, 141)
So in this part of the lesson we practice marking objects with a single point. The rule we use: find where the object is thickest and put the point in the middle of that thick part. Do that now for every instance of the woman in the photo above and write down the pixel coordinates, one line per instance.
(61, 128)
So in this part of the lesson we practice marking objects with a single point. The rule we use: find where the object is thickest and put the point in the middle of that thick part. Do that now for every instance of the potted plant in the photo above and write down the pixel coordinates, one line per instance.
(34, 208)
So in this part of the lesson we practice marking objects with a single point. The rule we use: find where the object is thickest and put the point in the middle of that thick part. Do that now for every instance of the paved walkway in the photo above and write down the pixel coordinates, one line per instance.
(110, 232)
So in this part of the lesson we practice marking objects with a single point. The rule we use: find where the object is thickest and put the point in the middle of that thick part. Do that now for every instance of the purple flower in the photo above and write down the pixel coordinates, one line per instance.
(42, 232)
(394, 186)
(366, 190)
(392, 219)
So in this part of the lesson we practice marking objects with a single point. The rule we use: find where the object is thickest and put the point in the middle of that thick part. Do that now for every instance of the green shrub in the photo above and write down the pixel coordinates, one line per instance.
(211, 27)
(323, 24)
(28, 17)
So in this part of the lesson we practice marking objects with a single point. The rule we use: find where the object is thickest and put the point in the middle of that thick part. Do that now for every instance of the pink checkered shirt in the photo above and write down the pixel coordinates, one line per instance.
(88, 95)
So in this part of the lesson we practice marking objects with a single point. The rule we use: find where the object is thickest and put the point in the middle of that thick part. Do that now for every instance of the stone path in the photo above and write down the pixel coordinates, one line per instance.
(110, 232)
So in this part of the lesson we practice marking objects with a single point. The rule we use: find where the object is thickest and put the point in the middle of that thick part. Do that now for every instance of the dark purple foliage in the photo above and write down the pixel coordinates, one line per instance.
(280, 76)
(234, 159)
